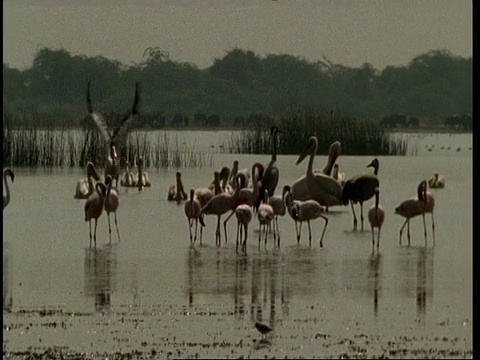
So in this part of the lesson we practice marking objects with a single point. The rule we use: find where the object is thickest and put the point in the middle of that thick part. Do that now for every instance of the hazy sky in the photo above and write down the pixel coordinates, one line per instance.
(349, 32)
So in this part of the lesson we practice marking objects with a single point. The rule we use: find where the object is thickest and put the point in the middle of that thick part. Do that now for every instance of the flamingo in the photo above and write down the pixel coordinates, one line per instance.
(300, 188)
(223, 180)
(111, 204)
(436, 181)
(361, 188)
(115, 136)
(203, 194)
(323, 188)
(411, 208)
(271, 175)
(244, 214)
(94, 208)
(176, 192)
(277, 203)
(233, 173)
(246, 195)
(85, 186)
(215, 186)
(192, 210)
(265, 217)
(427, 206)
(141, 177)
(306, 210)
(376, 216)
(127, 179)
(6, 198)
(219, 205)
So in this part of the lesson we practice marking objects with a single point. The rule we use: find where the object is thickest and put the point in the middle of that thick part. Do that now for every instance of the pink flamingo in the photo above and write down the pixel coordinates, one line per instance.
(94, 208)
(192, 209)
(244, 214)
(111, 205)
(376, 216)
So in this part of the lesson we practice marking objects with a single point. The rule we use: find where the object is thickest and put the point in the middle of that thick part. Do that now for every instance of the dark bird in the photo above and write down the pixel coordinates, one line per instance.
(361, 188)
(6, 198)
(116, 136)
(262, 328)
(271, 175)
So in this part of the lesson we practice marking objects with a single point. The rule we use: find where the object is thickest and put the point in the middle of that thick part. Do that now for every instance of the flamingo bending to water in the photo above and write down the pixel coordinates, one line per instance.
(6, 198)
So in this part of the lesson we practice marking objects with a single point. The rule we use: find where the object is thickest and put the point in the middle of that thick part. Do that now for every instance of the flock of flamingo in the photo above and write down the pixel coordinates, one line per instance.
(246, 192)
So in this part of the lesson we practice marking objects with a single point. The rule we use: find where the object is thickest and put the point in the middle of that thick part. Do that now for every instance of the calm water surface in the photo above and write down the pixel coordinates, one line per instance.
(154, 294)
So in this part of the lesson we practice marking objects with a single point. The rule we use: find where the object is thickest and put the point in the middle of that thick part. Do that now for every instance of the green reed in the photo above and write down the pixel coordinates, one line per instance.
(358, 137)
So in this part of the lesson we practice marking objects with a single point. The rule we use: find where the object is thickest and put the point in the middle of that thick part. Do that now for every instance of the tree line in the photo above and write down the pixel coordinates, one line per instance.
(237, 87)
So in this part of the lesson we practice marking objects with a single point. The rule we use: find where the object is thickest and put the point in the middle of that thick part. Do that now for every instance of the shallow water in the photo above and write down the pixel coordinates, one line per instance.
(154, 294)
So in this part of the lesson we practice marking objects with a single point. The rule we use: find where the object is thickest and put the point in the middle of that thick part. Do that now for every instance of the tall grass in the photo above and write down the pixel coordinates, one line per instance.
(357, 137)
(30, 146)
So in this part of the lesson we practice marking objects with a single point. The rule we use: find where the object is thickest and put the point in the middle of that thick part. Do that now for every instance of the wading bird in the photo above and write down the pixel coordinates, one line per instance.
(6, 197)
(235, 171)
(265, 217)
(300, 188)
(116, 136)
(339, 176)
(361, 188)
(85, 186)
(127, 179)
(192, 209)
(323, 188)
(427, 206)
(436, 182)
(141, 177)
(271, 175)
(94, 208)
(177, 192)
(244, 214)
(111, 205)
(277, 202)
(376, 216)
(263, 328)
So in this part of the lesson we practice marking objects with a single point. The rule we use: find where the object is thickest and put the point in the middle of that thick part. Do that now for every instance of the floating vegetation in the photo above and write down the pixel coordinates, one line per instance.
(358, 137)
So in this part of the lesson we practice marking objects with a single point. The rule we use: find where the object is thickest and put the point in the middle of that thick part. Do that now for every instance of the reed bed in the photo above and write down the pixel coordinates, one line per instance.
(30, 146)
(357, 137)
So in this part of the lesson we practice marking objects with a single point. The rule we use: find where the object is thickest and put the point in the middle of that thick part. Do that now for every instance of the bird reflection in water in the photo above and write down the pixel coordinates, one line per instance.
(100, 269)
(375, 270)
(7, 277)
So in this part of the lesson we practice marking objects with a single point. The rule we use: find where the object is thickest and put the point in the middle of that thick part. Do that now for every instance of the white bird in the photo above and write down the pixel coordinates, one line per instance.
(300, 188)
(141, 177)
(277, 202)
(361, 188)
(192, 210)
(376, 216)
(339, 176)
(265, 217)
(116, 136)
(219, 205)
(244, 214)
(127, 179)
(305, 211)
(177, 192)
(203, 194)
(94, 208)
(85, 186)
(112, 203)
(411, 208)
(6, 198)
(436, 181)
(323, 188)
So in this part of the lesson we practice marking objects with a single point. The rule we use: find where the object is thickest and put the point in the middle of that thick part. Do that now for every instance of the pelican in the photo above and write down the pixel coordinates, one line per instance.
(111, 205)
(339, 176)
(192, 210)
(265, 217)
(223, 180)
(361, 188)
(271, 174)
(127, 179)
(6, 198)
(300, 187)
(376, 216)
(115, 136)
(277, 202)
(233, 173)
(85, 186)
(94, 208)
(244, 214)
(323, 188)
(436, 181)
(215, 186)
(141, 177)
(176, 192)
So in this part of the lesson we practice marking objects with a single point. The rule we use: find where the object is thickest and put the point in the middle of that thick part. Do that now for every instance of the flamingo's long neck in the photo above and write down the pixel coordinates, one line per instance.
(7, 190)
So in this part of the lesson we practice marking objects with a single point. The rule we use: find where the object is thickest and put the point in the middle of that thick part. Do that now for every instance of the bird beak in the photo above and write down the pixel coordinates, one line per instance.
(304, 153)
(370, 165)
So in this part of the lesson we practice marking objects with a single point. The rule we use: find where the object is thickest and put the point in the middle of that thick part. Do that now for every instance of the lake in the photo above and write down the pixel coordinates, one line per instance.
(152, 295)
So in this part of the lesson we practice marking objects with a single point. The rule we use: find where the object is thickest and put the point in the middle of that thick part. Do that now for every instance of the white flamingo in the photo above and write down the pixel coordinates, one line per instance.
(94, 208)
(6, 198)
(192, 210)
(277, 202)
(376, 216)
(177, 192)
(300, 188)
(323, 188)
(244, 214)
(115, 136)
(85, 186)
(265, 217)
(112, 203)
(361, 188)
